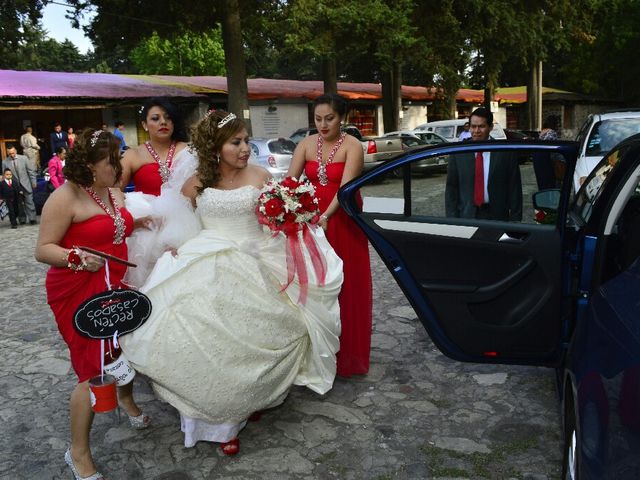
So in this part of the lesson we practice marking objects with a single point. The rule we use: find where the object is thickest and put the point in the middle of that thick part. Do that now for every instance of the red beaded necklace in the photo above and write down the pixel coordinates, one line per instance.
(322, 166)
(118, 221)
(164, 166)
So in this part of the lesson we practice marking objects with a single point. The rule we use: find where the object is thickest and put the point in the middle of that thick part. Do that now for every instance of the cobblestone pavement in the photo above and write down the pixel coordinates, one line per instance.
(417, 415)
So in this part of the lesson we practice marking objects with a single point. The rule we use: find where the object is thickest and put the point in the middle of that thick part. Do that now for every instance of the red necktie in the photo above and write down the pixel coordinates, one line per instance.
(9, 182)
(478, 184)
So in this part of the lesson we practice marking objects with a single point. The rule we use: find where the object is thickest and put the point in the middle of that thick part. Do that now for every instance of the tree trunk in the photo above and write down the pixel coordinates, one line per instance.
(330, 75)
(534, 96)
(235, 62)
(392, 97)
(490, 89)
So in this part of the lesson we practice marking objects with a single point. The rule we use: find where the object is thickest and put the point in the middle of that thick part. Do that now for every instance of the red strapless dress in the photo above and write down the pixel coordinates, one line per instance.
(67, 289)
(147, 179)
(352, 247)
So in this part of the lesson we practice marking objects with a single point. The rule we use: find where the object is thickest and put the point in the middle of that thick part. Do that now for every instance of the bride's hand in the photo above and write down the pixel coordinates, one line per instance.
(174, 251)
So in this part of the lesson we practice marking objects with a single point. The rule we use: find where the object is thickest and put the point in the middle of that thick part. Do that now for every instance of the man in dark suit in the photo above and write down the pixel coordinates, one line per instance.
(10, 192)
(483, 185)
(58, 139)
(24, 174)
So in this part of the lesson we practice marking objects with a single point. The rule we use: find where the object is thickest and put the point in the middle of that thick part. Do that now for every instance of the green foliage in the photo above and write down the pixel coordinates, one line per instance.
(16, 17)
(186, 54)
(603, 60)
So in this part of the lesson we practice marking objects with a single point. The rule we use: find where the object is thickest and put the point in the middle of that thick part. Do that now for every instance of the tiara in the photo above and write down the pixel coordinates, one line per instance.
(226, 120)
(94, 138)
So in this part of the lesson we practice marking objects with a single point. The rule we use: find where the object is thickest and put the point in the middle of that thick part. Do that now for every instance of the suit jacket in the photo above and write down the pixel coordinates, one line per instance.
(23, 172)
(504, 187)
(58, 142)
(9, 193)
(55, 171)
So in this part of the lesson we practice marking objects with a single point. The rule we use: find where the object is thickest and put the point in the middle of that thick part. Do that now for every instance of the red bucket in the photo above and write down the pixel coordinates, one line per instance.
(102, 391)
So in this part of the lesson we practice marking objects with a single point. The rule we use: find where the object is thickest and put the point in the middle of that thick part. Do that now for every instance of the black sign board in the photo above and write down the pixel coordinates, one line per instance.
(112, 311)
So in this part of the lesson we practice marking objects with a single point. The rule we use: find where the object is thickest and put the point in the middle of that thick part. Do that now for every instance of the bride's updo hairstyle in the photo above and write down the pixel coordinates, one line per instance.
(207, 137)
(91, 147)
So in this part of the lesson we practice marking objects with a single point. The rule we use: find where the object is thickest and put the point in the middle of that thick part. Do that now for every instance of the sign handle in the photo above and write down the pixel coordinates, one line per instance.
(102, 359)
(107, 278)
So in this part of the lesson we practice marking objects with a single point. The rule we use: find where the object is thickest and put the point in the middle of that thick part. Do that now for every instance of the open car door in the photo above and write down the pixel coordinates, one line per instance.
(486, 290)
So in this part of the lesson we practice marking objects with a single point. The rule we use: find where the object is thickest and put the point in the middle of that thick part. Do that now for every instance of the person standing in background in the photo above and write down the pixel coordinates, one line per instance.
(10, 193)
(55, 167)
(118, 133)
(71, 137)
(483, 184)
(465, 133)
(25, 174)
(30, 147)
(58, 138)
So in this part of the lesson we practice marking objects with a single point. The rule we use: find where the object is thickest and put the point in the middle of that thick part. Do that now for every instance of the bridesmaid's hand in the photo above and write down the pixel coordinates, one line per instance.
(323, 222)
(144, 222)
(92, 263)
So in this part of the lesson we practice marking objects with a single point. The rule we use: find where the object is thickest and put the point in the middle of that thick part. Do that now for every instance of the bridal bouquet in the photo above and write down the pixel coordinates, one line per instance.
(289, 206)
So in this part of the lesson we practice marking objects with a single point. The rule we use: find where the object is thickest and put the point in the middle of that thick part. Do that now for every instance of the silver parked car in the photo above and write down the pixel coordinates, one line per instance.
(274, 154)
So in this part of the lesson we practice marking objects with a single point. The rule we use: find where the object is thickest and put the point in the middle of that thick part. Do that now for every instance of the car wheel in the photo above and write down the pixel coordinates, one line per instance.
(570, 462)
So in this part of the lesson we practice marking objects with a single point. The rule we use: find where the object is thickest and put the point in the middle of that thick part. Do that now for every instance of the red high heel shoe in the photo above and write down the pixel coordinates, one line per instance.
(231, 447)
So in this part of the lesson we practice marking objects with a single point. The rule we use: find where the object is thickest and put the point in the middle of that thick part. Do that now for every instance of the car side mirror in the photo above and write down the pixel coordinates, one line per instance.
(547, 200)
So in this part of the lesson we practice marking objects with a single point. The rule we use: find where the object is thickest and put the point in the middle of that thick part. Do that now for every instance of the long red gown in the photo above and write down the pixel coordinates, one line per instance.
(67, 289)
(355, 299)
(147, 179)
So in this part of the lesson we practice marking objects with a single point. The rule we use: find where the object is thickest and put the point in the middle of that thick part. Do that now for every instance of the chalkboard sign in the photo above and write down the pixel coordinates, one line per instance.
(112, 311)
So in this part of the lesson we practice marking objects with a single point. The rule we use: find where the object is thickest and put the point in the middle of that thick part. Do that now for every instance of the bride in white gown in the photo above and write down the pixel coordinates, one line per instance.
(223, 340)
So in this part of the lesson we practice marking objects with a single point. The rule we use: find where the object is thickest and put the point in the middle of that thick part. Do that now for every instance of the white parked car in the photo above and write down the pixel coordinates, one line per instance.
(599, 134)
(451, 129)
(274, 154)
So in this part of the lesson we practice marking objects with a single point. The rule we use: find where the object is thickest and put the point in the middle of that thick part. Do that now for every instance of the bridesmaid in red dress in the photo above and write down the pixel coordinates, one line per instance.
(330, 159)
(85, 210)
(148, 165)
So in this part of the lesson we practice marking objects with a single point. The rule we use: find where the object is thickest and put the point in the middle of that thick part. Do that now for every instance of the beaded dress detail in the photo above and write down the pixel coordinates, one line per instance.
(223, 340)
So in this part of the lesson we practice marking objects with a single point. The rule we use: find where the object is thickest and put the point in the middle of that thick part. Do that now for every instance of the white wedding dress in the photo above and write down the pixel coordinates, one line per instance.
(223, 339)
(174, 220)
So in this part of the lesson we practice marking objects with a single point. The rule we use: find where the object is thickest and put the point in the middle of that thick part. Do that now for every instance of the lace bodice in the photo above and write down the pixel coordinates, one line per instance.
(231, 213)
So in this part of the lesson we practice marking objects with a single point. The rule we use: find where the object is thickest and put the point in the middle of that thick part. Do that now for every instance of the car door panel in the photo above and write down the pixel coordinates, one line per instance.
(468, 276)
(486, 291)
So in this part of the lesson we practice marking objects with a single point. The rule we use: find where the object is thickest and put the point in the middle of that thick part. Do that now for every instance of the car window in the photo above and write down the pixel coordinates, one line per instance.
(282, 146)
(254, 149)
(296, 137)
(497, 132)
(590, 191)
(446, 132)
(432, 139)
(608, 133)
(412, 141)
(434, 194)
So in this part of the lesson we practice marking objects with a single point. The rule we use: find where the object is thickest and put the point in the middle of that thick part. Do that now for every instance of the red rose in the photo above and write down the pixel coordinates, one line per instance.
(307, 202)
(540, 216)
(290, 217)
(274, 207)
(289, 182)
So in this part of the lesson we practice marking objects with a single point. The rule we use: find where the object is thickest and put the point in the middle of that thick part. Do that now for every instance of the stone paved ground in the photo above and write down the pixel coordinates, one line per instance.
(417, 415)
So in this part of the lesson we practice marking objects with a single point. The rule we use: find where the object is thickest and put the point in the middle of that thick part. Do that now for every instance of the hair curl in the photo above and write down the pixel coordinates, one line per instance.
(179, 130)
(106, 145)
(207, 140)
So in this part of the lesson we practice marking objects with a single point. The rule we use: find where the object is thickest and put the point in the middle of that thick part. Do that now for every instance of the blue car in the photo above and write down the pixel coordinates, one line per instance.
(560, 290)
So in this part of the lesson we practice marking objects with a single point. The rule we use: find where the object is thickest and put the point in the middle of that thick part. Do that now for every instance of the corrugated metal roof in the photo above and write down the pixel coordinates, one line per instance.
(16, 84)
(31, 84)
